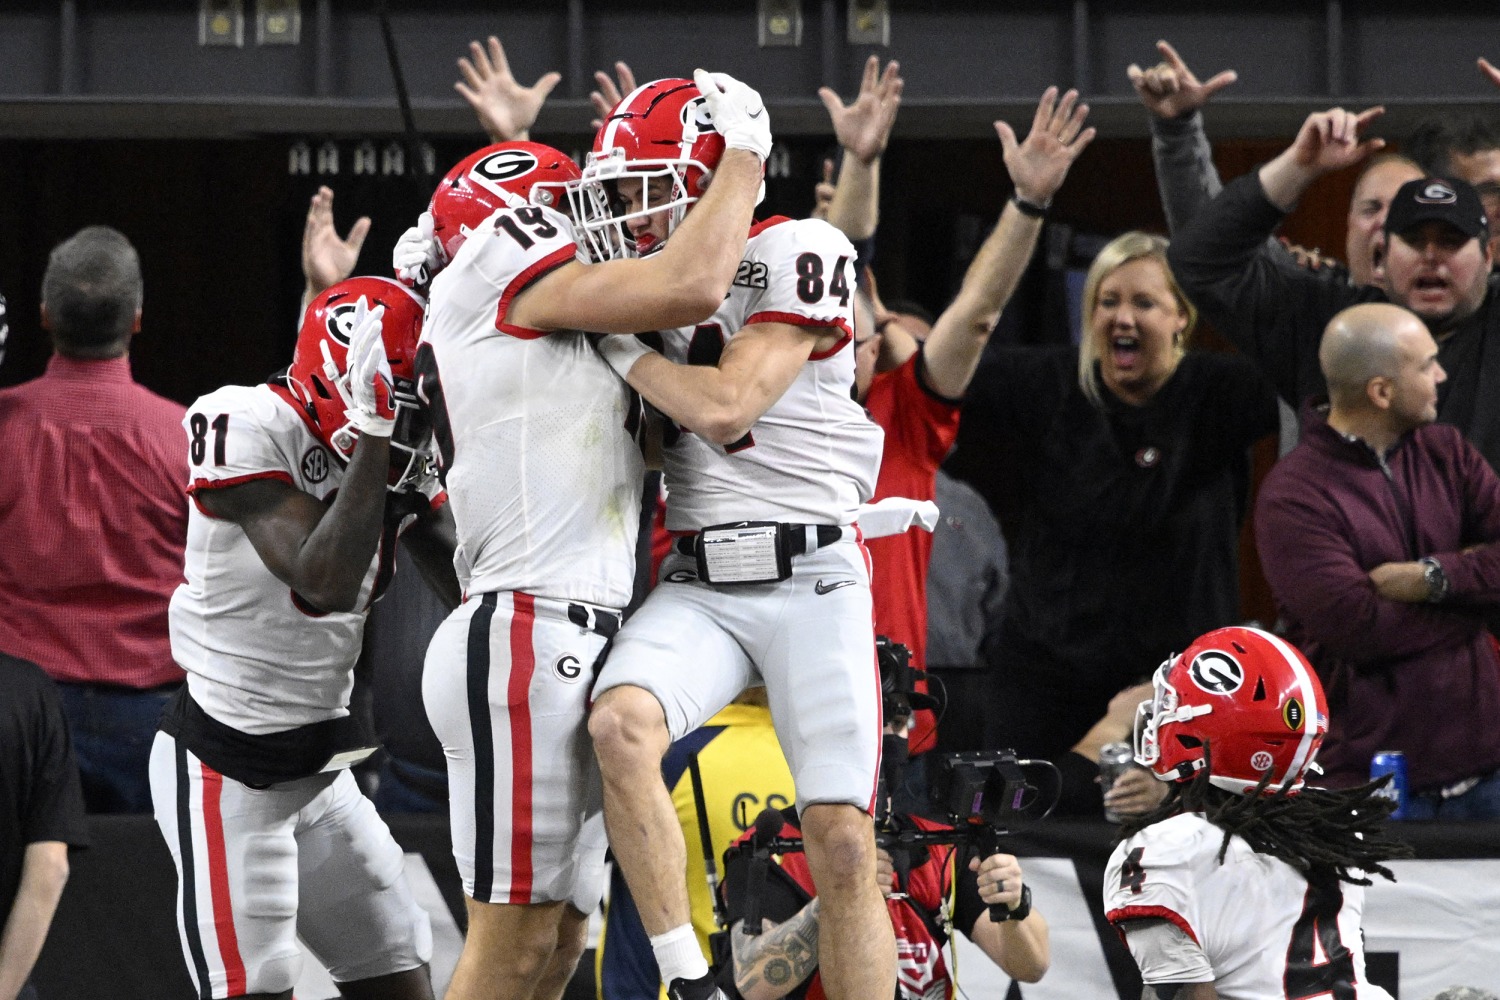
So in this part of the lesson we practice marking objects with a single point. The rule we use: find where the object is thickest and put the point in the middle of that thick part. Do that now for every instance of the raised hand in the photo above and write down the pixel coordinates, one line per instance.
(739, 114)
(415, 258)
(505, 109)
(1170, 89)
(609, 94)
(1038, 165)
(864, 127)
(1489, 70)
(823, 193)
(327, 259)
(372, 408)
(1331, 140)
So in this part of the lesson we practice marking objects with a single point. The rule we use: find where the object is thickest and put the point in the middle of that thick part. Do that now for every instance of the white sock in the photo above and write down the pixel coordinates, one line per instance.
(678, 955)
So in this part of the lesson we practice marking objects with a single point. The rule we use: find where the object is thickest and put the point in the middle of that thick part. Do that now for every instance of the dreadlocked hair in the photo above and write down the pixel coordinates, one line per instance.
(1318, 831)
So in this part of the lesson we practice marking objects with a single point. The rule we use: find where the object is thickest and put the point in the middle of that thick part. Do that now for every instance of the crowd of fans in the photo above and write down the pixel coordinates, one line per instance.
(1091, 497)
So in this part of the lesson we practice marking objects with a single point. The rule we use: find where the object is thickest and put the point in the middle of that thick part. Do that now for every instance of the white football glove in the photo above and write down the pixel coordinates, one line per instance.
(622, 352)
(416, 255)
(739, 114)
(371, 395)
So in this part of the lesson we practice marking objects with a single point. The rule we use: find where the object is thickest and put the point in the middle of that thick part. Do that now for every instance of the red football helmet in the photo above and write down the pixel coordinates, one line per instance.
(505, 175)
(660, 129)
(1250, 698)
(319, 377)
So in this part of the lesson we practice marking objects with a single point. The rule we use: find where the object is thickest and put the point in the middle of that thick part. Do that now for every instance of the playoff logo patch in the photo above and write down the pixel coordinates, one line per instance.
(1293, 714)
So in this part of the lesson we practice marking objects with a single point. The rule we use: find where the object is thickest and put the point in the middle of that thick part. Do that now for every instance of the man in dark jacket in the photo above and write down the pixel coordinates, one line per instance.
(1380, 537)
(1435, 262)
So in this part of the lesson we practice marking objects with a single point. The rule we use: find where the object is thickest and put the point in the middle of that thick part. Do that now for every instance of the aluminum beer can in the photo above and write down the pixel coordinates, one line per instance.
(1392, 762)
(1114, 760)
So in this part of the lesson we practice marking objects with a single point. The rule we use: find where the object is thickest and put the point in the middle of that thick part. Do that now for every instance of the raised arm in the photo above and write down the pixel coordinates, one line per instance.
(1185, 171)
(328, 258)
(684, 281)
(1328, 141)
(1037, 167)
(324, 552)
(609, 91)
(1272, 312)
(863, 128)
(505, 109)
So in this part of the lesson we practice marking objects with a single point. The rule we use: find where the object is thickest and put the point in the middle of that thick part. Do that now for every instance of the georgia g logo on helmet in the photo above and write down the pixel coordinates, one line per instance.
(1216, 672)
(504, 165)
(340, 322)
(696, 114)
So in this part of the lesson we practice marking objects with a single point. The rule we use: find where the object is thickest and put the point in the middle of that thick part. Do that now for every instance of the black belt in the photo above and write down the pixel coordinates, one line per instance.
(600, 621)
(796, 539)
(596, 620)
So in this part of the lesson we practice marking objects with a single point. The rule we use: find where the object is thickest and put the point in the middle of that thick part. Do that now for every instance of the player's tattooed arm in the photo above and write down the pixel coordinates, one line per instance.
(1180, 991)
(770, 965)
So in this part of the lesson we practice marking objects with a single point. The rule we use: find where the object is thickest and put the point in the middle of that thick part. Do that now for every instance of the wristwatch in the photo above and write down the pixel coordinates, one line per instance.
(1023, 908)
(1436, 579)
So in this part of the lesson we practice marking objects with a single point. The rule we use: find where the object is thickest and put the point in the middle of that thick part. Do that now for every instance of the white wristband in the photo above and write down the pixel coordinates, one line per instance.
(622, 352)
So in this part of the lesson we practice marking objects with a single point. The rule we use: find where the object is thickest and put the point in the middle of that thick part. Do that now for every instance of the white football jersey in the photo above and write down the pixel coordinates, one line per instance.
(813, 456)
(535, 430)
(1266, 931)
(257, 656)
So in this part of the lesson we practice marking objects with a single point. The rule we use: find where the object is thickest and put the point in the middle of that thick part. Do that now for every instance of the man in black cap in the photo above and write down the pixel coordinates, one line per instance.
(1436, 263)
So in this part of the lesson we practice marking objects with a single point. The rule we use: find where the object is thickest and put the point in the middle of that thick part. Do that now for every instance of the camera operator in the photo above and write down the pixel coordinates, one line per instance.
(781, 958)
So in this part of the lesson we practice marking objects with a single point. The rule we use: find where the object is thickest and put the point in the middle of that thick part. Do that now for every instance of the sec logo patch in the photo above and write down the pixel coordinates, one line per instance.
(315, 464)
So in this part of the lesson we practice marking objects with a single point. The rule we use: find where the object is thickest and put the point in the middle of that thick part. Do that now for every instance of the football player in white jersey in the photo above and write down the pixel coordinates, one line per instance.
(1244, 884)
(766, 463)
(300, 488)
(537, 452)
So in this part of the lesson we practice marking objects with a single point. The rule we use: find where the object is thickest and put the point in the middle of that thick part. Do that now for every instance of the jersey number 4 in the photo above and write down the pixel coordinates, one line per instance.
(1317, 930)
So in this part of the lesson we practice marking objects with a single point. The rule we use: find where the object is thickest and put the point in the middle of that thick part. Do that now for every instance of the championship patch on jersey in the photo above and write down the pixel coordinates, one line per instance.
(1216, 672)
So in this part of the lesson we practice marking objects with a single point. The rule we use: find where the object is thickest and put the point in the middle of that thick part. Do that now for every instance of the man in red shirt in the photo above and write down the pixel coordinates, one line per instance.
(94, 517)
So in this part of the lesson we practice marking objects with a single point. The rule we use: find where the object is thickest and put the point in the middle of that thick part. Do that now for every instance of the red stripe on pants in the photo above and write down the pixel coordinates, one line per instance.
(522, 666)
(218, 882)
